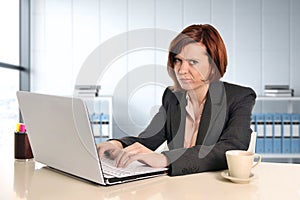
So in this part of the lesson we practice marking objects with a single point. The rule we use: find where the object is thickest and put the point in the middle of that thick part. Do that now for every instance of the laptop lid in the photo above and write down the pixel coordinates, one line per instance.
(60, 134)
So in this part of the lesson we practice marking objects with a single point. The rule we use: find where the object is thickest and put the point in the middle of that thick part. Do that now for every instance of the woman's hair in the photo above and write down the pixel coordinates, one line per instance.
(208, 36)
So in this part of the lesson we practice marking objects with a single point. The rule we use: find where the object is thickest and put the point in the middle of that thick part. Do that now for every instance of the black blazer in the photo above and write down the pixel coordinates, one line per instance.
(224, 125)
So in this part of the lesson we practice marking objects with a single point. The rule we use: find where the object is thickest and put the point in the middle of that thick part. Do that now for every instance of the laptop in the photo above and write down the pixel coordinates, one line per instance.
(61, 137)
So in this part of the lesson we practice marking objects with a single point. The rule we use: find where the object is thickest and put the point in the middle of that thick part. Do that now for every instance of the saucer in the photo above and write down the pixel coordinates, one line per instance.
(225, 174)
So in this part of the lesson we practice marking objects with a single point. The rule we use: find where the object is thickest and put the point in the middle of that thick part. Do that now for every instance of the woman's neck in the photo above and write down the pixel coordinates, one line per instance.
(199, 94)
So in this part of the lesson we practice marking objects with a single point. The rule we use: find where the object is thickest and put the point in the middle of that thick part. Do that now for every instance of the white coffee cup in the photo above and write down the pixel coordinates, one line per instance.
(241, 162)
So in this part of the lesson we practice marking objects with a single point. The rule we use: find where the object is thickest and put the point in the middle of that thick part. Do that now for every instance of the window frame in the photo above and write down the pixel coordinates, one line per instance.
(24, 48)
(24, 24)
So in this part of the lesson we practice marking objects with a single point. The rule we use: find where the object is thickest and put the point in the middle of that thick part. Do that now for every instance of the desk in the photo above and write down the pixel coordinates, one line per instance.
(31, 180)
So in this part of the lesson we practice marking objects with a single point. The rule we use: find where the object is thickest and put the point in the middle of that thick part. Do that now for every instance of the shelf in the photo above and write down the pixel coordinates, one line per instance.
(283, 155)
(266, 98)
(281, 158)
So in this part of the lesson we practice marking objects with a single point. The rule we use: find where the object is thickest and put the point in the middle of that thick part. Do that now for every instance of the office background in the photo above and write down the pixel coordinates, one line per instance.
(260, 35)
(261, 38)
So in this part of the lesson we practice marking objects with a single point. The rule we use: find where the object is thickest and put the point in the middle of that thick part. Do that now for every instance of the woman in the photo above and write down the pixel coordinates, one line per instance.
(200, 117)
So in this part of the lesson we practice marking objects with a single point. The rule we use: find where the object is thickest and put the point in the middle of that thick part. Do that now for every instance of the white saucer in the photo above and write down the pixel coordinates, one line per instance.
(226, 175)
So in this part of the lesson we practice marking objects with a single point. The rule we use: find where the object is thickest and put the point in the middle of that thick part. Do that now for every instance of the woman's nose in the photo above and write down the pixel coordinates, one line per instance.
(184, 68)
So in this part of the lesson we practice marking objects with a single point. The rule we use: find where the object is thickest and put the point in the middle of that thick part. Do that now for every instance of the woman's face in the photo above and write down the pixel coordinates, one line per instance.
(192, 66)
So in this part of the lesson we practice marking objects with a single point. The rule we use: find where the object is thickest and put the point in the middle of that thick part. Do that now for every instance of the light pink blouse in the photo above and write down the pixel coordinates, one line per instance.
(192, 122)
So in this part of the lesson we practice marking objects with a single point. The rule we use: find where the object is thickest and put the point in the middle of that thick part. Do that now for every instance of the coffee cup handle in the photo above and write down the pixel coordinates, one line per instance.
(258, 161)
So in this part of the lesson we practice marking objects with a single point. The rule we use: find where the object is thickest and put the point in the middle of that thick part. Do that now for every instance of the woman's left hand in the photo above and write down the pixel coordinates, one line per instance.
(136, 148)
(139, 152)
(152, 159)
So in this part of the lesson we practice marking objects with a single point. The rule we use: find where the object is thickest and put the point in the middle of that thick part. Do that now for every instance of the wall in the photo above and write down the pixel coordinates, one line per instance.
(260, 35)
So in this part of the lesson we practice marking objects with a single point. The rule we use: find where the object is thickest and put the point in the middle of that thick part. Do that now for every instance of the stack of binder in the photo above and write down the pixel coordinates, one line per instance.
(84, 91)
(278, 91)
(277, 133)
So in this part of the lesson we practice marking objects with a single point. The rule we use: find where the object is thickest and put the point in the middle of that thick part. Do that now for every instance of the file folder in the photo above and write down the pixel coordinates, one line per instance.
(286, 133)
(268, 133)
(259, 128)
(295, 122)
(252, 125)
(95, 124)
(104, 125)
(277, 133)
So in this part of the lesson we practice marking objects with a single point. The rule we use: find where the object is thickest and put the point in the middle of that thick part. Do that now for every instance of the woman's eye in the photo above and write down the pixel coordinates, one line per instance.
(193, 62)
(177, 61)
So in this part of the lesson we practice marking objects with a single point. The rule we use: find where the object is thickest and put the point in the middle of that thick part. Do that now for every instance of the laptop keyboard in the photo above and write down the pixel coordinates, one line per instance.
(134, 168)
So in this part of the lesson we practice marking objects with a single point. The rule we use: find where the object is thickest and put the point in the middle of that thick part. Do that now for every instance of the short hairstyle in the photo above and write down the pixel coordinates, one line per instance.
(208, 36)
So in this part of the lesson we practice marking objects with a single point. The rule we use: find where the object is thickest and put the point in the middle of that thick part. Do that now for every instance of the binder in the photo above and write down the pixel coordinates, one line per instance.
(259, 128)
(295, 143)
(100, 126)
(104, 126)
(252, 124)
(277, 133)
(268, 133)
(95, 124)
(286, 133)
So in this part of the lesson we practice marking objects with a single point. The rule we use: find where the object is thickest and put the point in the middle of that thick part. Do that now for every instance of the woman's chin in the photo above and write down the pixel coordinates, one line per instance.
(186, 86)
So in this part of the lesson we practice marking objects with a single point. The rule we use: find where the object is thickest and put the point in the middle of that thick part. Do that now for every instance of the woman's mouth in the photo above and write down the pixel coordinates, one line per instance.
(185, 80)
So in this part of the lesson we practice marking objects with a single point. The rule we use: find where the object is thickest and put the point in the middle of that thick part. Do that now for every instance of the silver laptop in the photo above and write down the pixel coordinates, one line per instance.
(61, 137)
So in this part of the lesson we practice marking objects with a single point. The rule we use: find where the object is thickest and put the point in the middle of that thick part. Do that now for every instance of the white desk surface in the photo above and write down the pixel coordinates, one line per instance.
(30, 180)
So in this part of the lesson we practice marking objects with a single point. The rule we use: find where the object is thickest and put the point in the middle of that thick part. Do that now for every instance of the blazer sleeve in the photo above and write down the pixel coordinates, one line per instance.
(155, 133)
(235, 135)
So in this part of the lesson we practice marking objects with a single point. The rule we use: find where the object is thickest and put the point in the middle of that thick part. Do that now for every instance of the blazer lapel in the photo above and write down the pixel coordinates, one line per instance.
(178, 118)
(214, 114)
(204, 122)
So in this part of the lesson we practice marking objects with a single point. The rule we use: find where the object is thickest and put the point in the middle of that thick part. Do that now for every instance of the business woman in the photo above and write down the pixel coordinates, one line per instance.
(201, 117)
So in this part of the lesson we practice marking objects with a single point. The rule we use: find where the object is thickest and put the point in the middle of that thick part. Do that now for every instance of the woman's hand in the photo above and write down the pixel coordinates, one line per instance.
(142, 154)
(136, 148)
(152, 159)
(113, 148)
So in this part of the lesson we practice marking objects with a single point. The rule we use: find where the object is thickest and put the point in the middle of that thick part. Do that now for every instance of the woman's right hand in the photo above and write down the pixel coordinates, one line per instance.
(113, 148)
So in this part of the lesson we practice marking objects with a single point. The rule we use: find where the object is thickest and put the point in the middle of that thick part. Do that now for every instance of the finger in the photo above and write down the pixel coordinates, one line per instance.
(114, 153)
(132, 159)
(134, 148)
(137, 148)
(103, 148)
(136, 145)
(150, 159)
(101, 151)
(122, 159)
(98, 145)
(119, 158)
